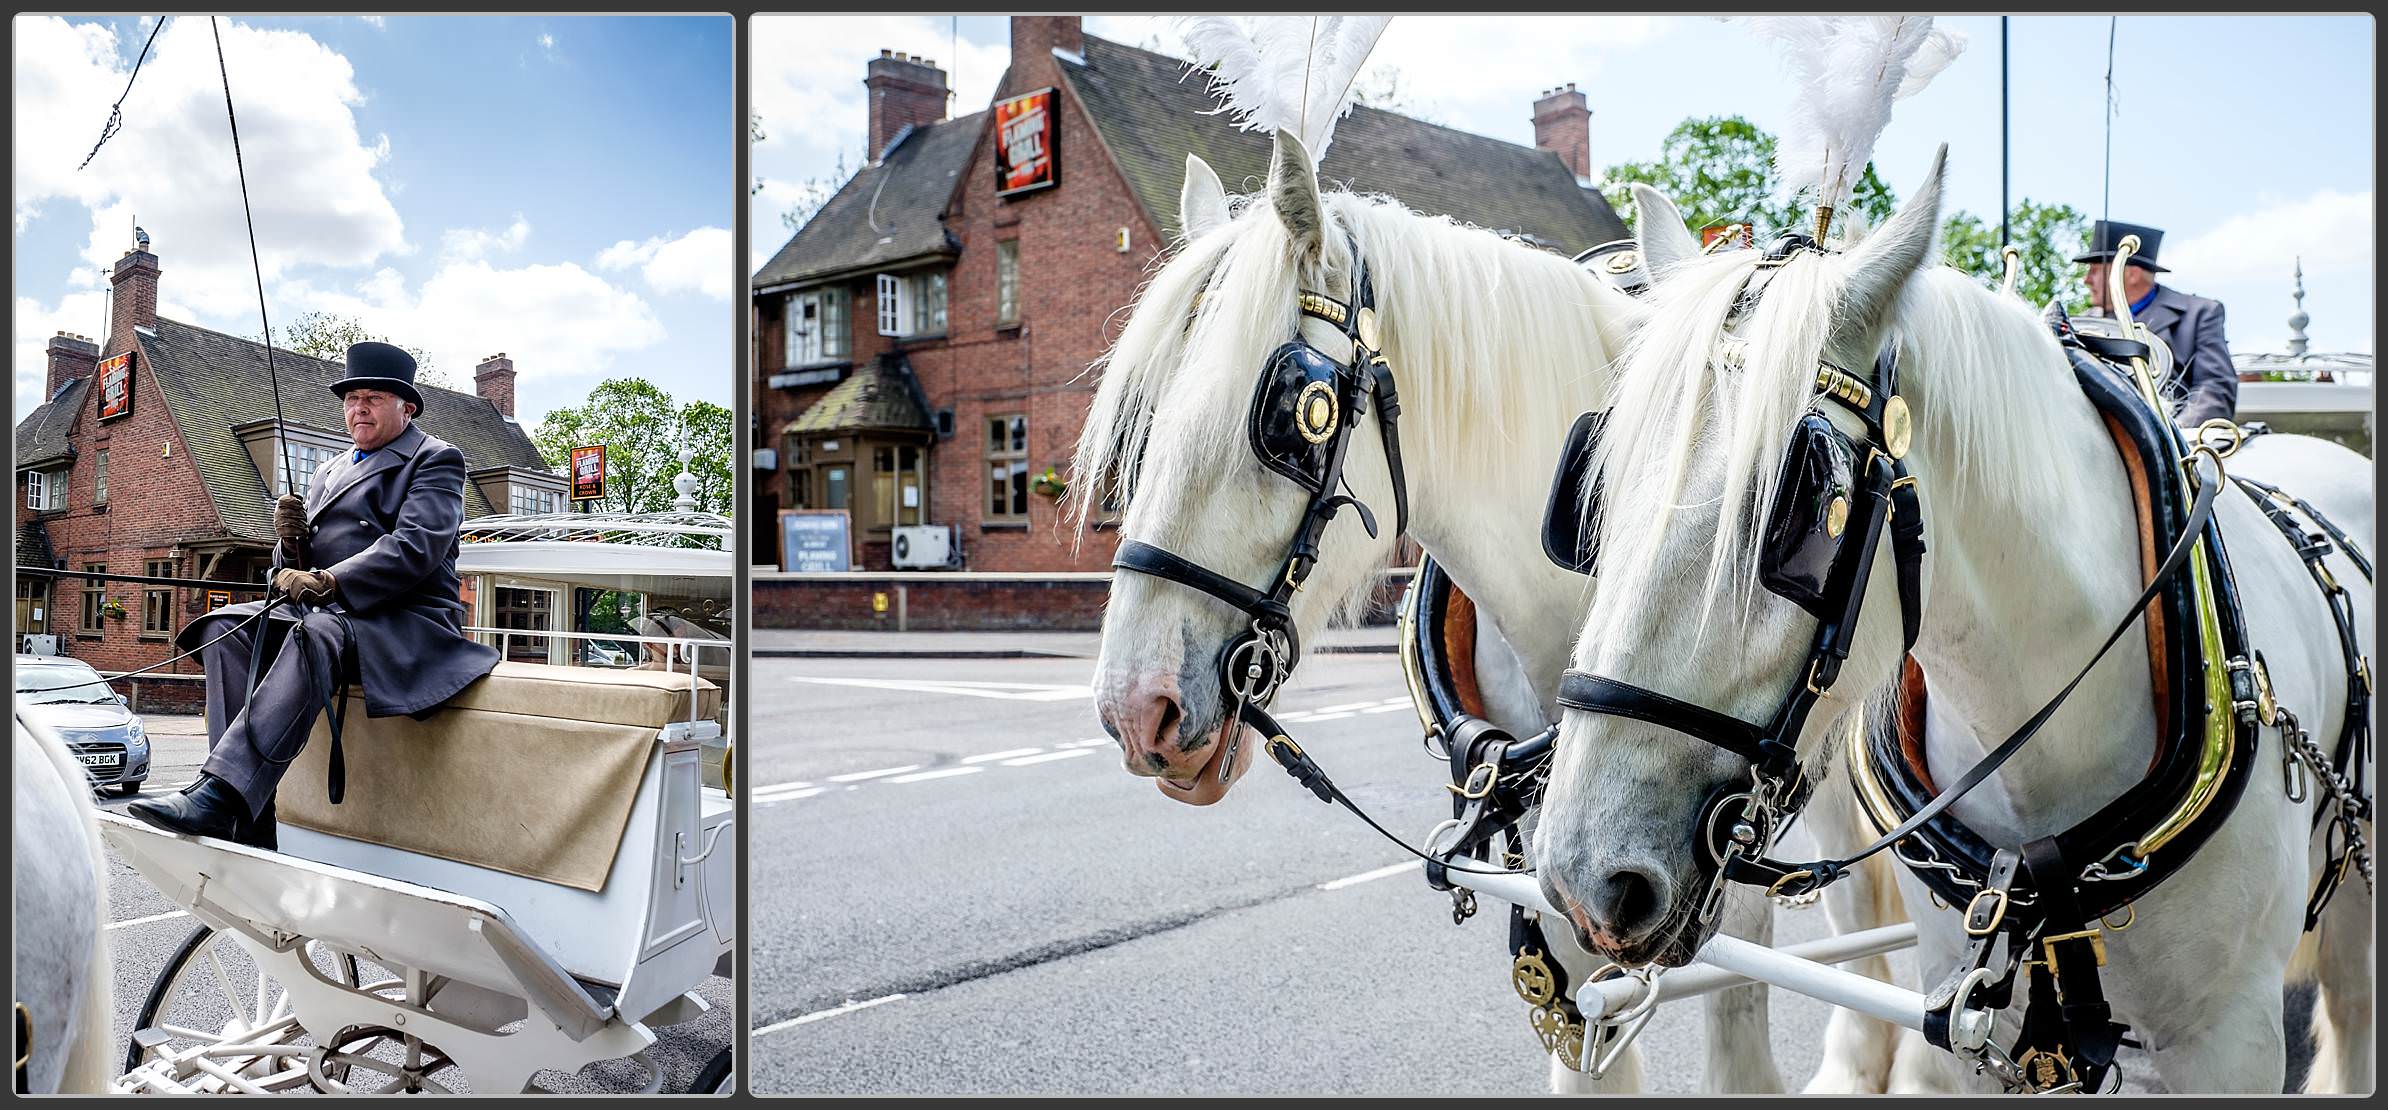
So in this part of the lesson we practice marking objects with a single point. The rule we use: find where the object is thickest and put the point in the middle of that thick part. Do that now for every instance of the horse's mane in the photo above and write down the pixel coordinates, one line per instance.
(1977, 367)
(1416, 263)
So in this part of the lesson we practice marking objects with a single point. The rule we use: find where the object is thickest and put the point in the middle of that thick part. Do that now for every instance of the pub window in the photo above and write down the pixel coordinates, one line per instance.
(45, 490)
(896, 484)
(305, 460)
(1007, 283)
(157, 602)
(99, 477)
(912, 304)
(929, 302)
(1007, 468)
(817, 326)
(526, 611)
(531, 500)
(95, 596)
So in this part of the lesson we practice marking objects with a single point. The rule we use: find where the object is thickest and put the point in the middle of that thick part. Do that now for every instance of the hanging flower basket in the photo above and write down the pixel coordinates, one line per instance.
(112, 609)
(1049, 484)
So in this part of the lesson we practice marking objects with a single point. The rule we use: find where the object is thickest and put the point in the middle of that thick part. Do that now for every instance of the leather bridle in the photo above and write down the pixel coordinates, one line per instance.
(1254, 665)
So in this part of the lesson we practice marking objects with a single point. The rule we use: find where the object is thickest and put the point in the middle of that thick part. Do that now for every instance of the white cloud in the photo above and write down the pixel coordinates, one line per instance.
(698, 262)
(2329, 229)
(469, 243)
(310, 172)
(547, 42)
(553, 320)
(378, 23)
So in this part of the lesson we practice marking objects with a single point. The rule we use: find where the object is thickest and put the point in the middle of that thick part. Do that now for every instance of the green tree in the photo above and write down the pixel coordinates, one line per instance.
(2046, 238)
(1720, 170)
(329, 335)
(643, 430)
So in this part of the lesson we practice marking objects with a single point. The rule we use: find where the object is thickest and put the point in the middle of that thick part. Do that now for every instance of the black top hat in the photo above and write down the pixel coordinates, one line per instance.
(383, 367)
(2105, 234)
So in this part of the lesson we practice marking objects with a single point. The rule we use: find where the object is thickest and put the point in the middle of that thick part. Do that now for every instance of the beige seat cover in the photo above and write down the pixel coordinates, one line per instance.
(531, 770)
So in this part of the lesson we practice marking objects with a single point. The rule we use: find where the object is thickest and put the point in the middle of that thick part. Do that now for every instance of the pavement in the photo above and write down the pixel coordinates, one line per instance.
(790, 643)
(146, 929)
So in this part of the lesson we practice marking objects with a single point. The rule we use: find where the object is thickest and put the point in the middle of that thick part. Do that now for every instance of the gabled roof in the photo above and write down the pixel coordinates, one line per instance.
(33, 545)
(1151, 110)
(213, 383)
(881, 394)
(42, 435)
(888, 213)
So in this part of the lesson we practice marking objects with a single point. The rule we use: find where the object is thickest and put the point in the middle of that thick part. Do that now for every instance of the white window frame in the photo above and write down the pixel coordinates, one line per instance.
(300, 449)
(526, 500)
(895, 305)
(45, 490)
(828, 340)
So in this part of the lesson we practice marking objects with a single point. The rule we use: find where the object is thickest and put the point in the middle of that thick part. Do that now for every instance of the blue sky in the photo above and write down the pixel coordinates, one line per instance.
(558, 188)
(2250, 140)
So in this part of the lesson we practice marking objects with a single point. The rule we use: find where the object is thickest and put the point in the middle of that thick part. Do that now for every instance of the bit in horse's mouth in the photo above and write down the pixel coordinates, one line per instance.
(1209, 766)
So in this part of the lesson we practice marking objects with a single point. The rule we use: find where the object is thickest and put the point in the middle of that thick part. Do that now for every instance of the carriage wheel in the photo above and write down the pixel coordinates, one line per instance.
(716, 1077)
(361, 1055)
(211, 992)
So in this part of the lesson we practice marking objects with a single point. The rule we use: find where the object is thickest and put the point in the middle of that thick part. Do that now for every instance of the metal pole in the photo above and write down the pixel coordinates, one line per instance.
(2006, 148)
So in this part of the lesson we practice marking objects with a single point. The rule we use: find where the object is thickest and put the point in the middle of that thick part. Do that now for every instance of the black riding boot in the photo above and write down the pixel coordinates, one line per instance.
(208, 807)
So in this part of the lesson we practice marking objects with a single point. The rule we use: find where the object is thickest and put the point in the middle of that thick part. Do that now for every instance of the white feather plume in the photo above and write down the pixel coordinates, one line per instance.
(1849, 70)
(1283, 72)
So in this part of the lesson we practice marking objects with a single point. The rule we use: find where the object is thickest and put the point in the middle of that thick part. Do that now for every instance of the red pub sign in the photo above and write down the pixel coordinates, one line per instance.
(588, 473)
(116, 386)
(1026, 140)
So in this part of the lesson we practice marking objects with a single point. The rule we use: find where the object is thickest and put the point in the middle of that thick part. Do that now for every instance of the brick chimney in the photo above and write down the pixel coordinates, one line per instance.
(135, 304)
(1035, 37)
(1563, 126)
(905, 92)
(493, 379)
(71, 356)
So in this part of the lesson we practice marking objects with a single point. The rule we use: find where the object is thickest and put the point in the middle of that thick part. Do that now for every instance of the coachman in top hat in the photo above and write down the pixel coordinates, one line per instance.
(2191, 326)
(369, 562)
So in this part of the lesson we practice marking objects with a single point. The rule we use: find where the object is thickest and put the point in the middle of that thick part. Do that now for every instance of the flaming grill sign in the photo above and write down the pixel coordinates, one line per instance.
(588, 473)
(116, 386)
(1025, 142)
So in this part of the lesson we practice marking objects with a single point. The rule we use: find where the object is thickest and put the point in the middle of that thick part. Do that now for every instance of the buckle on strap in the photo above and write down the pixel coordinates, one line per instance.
(1986, 912)
(2095, 937)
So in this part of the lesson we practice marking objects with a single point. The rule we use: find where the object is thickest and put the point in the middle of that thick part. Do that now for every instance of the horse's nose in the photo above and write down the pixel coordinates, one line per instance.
(1145, 721)
(1628, 902)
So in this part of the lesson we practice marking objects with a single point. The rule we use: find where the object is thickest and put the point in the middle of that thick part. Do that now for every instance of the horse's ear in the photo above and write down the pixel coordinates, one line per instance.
(1202, 202)
(1293, 191)
(1882, 263)
(1658, 227)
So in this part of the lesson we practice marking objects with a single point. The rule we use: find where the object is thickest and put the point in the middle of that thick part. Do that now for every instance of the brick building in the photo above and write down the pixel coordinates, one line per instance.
(157, 453)
(921, 344)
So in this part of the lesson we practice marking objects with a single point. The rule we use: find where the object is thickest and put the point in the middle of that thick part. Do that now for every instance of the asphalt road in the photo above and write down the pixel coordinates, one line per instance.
(958, 889)
(147, 930)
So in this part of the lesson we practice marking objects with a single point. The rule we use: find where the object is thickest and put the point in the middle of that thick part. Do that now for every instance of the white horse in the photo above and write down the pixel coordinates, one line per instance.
(1496, 347)
(63, 975)
(2033, 554)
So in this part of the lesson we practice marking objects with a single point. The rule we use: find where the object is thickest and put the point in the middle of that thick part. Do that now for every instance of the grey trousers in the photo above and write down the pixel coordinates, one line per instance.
(252, 737)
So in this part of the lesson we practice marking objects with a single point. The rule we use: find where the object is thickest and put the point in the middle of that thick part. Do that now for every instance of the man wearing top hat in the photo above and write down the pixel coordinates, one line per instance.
(2191, 326)
(368, 567)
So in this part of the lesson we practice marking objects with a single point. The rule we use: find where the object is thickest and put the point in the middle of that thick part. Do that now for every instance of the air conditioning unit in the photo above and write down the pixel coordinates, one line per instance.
(924, 546)
(41, 645)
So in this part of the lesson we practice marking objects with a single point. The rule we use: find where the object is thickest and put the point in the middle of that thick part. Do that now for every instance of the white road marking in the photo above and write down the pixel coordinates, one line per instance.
(943, 773)
(1395, 707)
(991, 757)
(1048, 757)
(147, 920)
(764, 800)
(1330, 716)
(1346, 709)
(1096, 742)
(777, 787)
(858, 776)
(1003, 691)
(1370, 876)
(817, 1015)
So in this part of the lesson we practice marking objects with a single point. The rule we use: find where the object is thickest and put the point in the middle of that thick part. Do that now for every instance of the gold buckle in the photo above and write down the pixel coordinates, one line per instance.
(1287, 741)
(1974, 908)
(2097, 939)
(1492, 775)
(2046, 1070)
(1819, 691)
(1777, 887)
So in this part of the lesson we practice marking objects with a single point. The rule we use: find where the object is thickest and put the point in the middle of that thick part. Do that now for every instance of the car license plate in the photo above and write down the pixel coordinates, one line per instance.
(101, 759)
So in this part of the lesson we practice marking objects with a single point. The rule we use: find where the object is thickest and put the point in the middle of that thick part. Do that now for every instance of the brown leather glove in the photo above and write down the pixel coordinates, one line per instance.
(311, 586)
(290, 526)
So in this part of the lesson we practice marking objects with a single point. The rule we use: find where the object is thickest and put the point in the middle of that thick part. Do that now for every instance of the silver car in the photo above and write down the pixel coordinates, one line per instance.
(71, 698)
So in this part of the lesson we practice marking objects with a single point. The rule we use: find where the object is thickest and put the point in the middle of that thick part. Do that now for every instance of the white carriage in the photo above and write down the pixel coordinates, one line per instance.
(537, 877)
